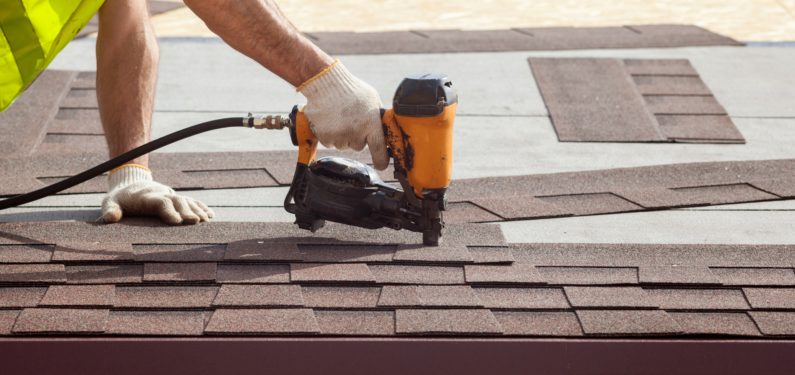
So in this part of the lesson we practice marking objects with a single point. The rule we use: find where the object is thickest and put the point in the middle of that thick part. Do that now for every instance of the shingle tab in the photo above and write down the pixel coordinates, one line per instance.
(179, 271)
(92, 251)
(539, 323)
(520, 207)
(52, 273)
(493, 254)
(165, 296)
(627, 322)
(771, 298)
(110, 274)
(341, 297)
(699, 299)
(588, 275)
(591, 204)
(447, 321)
(253, 273)
(435, 254)
(178, 252)
(522, 298)
(256, 250)
(775, 323)
(428, 295)
(616, 297)
(25, 253)
(7, 320)
(171, 323)
(716, 323)
(755, 276)
(38, 320)
(259, 295)
(263, 321)
(79, 295)
(21, 297)
(676, 275)
(400, 274)
(346, 253)
(360, 323)
(330, 272)
(514, 273)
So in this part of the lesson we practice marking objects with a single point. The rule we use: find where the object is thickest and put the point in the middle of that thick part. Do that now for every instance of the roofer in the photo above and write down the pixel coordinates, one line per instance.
(344, 110)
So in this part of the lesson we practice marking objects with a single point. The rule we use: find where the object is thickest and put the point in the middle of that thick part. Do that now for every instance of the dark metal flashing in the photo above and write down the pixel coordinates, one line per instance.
(393, 356)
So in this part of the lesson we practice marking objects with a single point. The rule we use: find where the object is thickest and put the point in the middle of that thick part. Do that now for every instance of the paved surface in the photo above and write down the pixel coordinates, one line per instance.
(764, 20)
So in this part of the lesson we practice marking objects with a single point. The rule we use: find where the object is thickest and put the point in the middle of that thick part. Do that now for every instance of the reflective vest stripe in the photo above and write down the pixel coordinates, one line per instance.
(21, 38)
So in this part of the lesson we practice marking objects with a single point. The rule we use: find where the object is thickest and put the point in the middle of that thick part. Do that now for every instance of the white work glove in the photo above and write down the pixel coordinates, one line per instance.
(345, 112)
(131, 191)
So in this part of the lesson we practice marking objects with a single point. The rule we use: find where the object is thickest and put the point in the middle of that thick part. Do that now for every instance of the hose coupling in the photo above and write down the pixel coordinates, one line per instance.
(267, 122)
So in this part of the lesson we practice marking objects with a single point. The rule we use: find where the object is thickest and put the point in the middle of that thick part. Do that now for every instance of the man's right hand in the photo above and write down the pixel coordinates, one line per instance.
(345, 112)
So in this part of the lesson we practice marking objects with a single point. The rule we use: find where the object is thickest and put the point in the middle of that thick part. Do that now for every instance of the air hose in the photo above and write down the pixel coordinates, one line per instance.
(267, 122)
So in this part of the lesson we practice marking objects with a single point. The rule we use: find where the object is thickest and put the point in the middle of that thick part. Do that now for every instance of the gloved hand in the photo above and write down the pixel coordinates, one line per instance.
(345, 112)
(131, 191)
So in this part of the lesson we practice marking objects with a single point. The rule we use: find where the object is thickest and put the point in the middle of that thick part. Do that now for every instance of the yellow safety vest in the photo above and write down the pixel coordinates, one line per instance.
(33, 32)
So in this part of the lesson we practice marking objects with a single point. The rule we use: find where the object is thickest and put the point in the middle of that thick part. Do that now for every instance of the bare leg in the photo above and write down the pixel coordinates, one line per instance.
(258, 29)
(127, 57)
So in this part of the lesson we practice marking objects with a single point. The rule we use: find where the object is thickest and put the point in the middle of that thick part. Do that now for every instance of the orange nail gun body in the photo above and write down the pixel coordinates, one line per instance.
(418, 132)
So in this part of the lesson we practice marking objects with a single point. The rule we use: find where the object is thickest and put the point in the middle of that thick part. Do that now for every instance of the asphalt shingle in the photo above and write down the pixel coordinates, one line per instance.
(61, 321)
(447, 321)
(627, 322)
(262, 321)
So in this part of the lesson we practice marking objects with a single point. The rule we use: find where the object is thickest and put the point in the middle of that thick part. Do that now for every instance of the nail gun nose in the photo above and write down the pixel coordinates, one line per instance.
(267, 122)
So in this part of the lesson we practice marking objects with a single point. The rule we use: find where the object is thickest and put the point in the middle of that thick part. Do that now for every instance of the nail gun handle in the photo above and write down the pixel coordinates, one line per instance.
(302, 136)
(393, 136)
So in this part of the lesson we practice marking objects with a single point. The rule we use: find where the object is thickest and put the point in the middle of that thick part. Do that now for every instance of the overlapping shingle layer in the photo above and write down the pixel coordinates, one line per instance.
(635, 100)
(139, 278)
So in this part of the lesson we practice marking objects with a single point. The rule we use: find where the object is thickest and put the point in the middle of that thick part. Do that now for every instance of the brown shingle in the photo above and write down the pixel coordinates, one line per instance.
(259, 295)
(539, 323)
(52, 273)
(263, 321)
(171, 323)
(775, 323)
(262, 250)
(625, 297)
(165, 296)
(676, 275)
(399, 274)
(522, 298)
(428, 295)
(590, 204)
(7, 320)
(683, 105)
(21, 297)
(659, 67)
(514, 273)
(771, 298)
(37, 320)
(253, 273)
(79, 295)
(92, 251)
(447, 321)
(699, 299)
(722, 194)
(465, 212)
(699, 128)
(588, 275)
(360, 323)
(783, 187)
(25, 253)
(330, 272)
(111, 274)
(437, 254)
(179, 271)
(670, 85)
(341, 297)
(627, 322)
(715, 323)
(755, 276)
(346, 253)
(178, 252)
(520, 207)
(493, 254)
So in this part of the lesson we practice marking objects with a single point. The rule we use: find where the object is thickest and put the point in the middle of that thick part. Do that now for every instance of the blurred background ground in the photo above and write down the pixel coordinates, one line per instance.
(746, 20)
